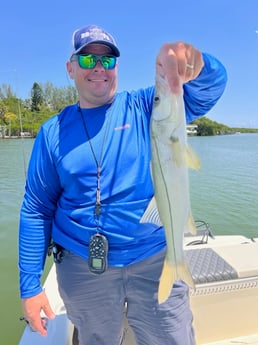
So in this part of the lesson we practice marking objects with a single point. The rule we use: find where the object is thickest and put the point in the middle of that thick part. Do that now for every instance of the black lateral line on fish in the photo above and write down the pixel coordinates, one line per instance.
(167, 193)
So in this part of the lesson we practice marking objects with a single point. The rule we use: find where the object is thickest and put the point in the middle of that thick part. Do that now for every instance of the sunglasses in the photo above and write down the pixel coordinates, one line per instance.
(88, 61)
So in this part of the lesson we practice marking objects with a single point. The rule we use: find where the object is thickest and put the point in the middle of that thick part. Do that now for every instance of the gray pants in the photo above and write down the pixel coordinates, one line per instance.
(95, 303)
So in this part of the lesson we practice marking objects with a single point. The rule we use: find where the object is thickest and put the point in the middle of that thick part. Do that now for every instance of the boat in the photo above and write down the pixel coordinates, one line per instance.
(224, 302)
(191, 130)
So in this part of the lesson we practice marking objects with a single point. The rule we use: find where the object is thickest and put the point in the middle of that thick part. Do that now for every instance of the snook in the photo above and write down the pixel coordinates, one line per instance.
(171, 157)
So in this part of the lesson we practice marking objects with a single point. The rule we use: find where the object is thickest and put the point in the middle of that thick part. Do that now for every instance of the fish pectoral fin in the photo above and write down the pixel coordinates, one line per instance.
(171, 273)
(192, 159)
(184, 155)
(177, 150)
(191, 225)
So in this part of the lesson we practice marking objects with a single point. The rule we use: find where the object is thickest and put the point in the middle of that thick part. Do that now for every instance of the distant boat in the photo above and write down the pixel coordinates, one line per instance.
(25, 135)
(191, 129)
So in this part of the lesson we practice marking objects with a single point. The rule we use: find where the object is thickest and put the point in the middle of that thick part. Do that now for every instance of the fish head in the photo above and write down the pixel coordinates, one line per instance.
(165, 102)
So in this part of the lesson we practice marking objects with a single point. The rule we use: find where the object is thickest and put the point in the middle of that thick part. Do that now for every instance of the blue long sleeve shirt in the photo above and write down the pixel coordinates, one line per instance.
(60, 193)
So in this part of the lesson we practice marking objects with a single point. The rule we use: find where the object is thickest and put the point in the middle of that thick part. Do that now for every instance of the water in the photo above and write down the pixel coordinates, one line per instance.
(12, 179)
(224, 193)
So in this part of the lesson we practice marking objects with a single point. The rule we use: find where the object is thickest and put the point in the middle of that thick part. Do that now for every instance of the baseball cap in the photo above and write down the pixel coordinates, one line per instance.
(93, 34)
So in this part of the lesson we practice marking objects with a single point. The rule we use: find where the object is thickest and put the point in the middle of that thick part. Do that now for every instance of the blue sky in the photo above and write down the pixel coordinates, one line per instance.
(36, 42)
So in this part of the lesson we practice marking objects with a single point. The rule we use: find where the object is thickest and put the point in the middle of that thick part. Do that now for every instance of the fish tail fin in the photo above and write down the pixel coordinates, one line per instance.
(171, 273)
(185, 274)
(192, 159)
(166, 281)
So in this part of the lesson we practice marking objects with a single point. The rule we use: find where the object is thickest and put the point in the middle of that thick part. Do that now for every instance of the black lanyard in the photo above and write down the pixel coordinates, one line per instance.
(98, 206)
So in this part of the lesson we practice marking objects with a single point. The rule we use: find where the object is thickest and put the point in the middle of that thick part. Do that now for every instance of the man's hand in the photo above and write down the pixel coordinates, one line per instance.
(179, 62)
(32, 308)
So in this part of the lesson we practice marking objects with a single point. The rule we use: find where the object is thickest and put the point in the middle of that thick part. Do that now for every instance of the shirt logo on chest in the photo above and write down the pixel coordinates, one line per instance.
(121, 128)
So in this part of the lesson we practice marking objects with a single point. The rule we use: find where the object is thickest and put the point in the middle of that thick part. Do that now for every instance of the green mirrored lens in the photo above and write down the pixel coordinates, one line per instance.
(90, 60)
(87, 61)
(108, 62)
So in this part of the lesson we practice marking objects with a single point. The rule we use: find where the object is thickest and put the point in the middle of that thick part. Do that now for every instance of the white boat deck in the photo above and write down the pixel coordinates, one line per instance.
(226, 311)
(251, 339)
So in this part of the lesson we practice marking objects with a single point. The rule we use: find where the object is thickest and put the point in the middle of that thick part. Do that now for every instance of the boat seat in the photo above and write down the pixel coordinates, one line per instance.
(207, 266)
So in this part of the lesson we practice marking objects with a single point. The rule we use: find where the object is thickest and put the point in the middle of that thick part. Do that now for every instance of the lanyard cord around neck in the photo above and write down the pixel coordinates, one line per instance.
(97, 210)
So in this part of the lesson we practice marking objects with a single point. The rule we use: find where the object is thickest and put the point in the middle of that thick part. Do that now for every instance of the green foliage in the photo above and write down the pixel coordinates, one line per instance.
(3, 112)
(27, 115)
(56, 98)
(36, 97)
(209, 127)
(245, 130)
(12, 104)
(46, 100)
(6, 92)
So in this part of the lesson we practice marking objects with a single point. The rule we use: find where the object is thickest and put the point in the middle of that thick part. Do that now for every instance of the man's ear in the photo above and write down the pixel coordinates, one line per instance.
(70, 69)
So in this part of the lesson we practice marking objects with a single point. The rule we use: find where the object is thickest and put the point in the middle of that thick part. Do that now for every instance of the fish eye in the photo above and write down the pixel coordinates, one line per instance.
(156, 99)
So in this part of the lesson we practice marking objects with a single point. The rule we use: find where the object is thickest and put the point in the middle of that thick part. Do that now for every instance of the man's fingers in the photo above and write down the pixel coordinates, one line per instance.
(179, 62)
(48, 311)
(32, 311)
(167, 65)
(38, 325)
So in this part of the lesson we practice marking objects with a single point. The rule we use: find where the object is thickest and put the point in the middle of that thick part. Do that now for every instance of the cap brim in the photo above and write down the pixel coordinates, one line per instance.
(115, 50)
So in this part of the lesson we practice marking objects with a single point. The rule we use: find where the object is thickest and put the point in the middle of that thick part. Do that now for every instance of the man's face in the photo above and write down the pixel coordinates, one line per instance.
(96, 86)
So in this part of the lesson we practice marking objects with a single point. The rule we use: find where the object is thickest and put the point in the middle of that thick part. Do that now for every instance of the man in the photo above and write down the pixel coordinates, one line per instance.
(88, 186)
